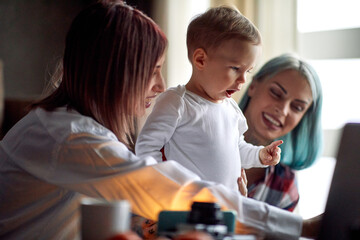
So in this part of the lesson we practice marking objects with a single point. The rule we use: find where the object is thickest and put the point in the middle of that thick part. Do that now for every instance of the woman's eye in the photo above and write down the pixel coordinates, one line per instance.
(275, 93)
(298, 108)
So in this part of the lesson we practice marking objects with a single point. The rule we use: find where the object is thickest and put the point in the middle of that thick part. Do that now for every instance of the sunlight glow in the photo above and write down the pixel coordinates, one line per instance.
(341, 83)
(320, 15)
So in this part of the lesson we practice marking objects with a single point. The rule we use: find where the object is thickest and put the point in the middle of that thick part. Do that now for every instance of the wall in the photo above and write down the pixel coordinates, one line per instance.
(32, 34)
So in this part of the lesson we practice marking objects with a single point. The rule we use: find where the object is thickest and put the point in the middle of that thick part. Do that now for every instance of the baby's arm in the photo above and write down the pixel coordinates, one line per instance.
(250, 154)
(270, 155)
(159, 126)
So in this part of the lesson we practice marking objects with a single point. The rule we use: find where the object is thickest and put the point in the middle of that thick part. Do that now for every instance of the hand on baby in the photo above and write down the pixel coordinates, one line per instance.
(270, 155)
(242, 183)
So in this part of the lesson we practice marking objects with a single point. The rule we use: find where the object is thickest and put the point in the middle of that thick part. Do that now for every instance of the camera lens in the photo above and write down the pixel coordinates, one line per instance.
(205, 213)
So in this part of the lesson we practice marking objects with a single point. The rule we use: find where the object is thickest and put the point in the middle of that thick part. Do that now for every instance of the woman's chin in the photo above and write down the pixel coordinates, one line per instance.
(139, 112)
(271, 135)
(265, 136)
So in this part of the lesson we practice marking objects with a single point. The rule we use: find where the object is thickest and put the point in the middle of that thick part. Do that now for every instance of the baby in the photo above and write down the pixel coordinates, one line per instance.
(199, 124)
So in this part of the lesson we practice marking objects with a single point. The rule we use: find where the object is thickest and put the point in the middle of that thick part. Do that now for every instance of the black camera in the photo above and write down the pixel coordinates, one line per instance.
(204, 216)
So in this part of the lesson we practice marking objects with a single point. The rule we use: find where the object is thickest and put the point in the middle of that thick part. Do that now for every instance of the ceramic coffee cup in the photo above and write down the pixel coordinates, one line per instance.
(101, 219)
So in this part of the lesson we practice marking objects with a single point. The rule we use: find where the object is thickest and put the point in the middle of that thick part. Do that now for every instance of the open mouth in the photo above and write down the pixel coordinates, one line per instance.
(229, 93)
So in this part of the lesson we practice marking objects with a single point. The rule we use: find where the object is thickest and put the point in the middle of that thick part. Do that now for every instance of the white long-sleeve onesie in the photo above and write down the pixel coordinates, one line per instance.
(203, 136)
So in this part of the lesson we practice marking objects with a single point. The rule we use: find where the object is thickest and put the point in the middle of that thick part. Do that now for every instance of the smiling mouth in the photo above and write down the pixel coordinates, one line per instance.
(148, 102)
(272, 120)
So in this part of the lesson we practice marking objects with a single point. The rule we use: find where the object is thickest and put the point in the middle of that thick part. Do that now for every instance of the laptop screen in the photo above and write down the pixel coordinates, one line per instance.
(341, 220)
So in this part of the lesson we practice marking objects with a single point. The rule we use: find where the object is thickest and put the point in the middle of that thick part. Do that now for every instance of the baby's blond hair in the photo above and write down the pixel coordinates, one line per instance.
(210, 29)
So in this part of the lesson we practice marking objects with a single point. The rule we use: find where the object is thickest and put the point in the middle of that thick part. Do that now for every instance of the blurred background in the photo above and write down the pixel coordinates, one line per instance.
(326, 33)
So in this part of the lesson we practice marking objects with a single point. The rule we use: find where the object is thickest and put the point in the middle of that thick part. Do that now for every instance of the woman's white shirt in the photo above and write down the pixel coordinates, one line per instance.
(50, 160)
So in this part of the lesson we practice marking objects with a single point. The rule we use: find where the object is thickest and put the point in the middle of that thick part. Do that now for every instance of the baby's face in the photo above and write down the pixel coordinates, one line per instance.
(226, 68)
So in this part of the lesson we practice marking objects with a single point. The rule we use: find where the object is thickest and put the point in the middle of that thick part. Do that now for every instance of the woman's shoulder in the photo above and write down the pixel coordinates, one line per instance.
(44, 131)
(63, 122)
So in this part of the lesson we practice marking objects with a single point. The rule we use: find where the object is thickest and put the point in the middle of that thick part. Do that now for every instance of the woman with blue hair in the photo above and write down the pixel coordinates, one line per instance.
(283, 102)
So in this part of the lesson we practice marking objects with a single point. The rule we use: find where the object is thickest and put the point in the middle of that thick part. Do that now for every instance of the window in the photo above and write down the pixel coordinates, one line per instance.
(178, 66)
(321, 15)
(328, 37)
(341, 84)
(329, 33)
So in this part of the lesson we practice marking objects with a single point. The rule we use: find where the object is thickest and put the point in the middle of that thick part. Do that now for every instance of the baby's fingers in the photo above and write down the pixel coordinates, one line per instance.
(274, 145)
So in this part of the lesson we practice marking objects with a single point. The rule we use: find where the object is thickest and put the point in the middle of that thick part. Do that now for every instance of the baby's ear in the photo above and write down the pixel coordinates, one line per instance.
(199, 57)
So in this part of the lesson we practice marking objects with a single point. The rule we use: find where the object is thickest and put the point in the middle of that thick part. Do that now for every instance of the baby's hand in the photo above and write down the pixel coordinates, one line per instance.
(270, 155)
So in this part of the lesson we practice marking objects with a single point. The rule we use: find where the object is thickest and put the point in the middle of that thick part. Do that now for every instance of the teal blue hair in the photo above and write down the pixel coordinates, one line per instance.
(303, 145)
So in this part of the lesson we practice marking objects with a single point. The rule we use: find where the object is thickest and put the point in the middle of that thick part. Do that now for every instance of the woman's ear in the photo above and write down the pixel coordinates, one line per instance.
(252, 88)
(199, 58)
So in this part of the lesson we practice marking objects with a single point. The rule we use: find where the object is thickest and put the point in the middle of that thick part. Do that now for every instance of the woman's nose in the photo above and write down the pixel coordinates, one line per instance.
(159, 84)
(282, 108)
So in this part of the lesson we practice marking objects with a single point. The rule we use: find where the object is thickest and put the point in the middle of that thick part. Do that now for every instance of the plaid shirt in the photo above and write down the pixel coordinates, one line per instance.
(278, 188)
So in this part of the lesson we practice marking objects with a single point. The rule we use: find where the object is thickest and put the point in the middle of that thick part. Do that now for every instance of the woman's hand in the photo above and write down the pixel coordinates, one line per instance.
(242, 183)
(311, 227)
(270, 155)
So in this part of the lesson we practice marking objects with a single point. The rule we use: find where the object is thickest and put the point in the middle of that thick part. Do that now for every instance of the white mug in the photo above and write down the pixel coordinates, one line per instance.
(101, 219)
